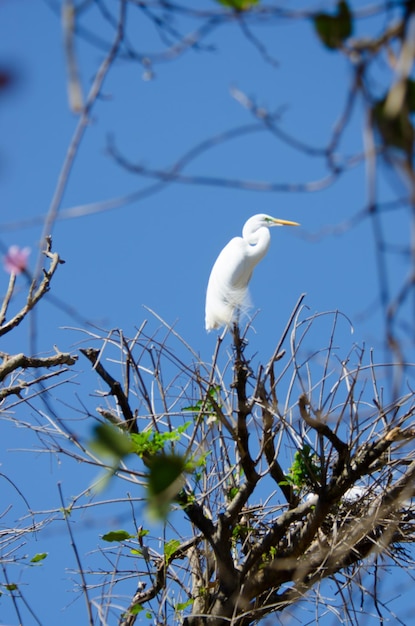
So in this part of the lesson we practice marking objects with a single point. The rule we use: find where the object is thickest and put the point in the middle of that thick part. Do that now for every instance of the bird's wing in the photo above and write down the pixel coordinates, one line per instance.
(233, 266)
(228, 282)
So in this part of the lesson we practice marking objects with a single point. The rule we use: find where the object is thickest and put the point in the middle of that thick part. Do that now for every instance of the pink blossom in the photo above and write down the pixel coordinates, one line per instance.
(15, 261)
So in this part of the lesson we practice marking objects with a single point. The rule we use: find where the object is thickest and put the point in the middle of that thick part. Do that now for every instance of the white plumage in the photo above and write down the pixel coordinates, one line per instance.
(227, 290)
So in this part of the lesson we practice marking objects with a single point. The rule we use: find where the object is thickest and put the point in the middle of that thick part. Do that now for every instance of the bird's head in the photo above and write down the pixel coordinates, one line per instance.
(262, 221)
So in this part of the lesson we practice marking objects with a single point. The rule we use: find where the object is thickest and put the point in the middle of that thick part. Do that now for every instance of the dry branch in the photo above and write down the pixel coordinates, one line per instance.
(36, 291)
(12, 363)
(115, 388)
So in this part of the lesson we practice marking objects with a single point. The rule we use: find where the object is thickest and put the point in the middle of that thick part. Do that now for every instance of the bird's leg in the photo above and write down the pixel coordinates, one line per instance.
(235, 334)
(239, 343)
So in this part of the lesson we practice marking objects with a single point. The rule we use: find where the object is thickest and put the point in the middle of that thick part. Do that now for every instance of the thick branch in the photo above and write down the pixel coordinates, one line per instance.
(372, 527)
(276, 532)
(115, 387)
(364, 460)
(11, 363)
(219, 538)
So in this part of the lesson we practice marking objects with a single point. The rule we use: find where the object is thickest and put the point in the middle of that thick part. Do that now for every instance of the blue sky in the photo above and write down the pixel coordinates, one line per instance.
(164, 118)
(158, 252)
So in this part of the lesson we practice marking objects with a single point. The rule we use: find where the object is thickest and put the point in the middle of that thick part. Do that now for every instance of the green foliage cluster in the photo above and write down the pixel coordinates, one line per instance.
(150, 442)
(166, 468)
(111, 441)
(305, 472)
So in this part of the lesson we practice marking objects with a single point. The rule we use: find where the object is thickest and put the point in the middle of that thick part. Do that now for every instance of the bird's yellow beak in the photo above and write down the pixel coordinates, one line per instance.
(278, 222)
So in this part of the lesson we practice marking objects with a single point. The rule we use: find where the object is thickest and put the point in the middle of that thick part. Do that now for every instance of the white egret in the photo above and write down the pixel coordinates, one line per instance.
(227, 289)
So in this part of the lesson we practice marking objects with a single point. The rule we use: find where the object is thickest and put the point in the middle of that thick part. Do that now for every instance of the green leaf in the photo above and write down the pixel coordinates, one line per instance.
(201, 460)
(149, 443)
(239, 5)
(111, 441)
(11, 587)
(184, 498)
(239, 531)
(164, 471)
(195, 408)
(305, 470)
(39, 557)
(170, 548)
(136, 609)
(117, 535)
(334, 29)
(164, 482)
(181, 606)
(232, 493)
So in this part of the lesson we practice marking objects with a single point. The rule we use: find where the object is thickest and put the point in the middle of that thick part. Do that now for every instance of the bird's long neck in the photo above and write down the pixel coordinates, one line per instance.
(258, 243)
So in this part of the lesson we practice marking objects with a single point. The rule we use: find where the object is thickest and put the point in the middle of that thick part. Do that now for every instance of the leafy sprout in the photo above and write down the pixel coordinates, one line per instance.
(305, 472)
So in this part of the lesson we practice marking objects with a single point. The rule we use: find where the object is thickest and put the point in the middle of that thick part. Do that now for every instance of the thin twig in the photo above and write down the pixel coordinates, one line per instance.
(77, 558)
(81, 127)
(7, 298)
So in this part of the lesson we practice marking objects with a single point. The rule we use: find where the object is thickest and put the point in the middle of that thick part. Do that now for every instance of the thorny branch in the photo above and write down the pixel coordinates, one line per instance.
(237, 557)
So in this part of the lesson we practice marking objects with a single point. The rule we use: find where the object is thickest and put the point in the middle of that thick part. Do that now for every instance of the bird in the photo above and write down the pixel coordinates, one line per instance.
(227, 290)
